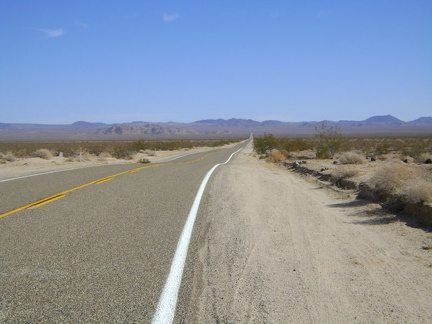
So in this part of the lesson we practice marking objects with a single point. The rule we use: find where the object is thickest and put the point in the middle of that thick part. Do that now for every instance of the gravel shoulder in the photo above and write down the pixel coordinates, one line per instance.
(276, 248)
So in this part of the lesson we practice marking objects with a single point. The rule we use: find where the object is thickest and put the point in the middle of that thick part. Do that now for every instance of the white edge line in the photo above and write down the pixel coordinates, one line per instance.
(166, 307)
(83, 167)
(48, 172)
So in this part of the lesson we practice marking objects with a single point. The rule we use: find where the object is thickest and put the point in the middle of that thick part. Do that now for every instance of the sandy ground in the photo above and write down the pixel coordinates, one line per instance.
(281, 249)
(27, 166)
(360, 172)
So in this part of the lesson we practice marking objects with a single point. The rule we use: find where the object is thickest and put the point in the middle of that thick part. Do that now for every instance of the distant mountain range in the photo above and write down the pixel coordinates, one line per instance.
(210, 128)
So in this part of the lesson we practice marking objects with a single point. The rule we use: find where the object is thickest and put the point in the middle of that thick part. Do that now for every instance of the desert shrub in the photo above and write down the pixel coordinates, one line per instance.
(43, 154)
(277, 156)
(295, 144)
(382, 148)
(284, 153)
(150, 152)
(411, 183)
(104, 155)
(340, 174)
(121, 153)
(8, 157)
(416, 190)
(389, 179)
(329, 141)
(265, 143)
(302, 155)
(351, 158)
(143, 160)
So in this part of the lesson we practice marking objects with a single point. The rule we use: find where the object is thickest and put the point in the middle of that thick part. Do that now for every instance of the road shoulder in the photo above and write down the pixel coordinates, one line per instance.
(276, 248)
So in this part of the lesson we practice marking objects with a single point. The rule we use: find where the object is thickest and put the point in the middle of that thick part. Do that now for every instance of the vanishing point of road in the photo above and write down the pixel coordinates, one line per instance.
(100, 248)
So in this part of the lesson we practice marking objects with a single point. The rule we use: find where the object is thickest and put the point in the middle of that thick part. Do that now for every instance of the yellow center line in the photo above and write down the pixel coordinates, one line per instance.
(55, 197)
(45, 201)
(103, 180)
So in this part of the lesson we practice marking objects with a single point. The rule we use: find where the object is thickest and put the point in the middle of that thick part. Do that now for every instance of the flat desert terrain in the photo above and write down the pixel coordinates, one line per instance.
(276, 246)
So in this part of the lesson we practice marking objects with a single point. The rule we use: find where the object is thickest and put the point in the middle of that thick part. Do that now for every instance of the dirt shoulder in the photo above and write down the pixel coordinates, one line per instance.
(278, 249)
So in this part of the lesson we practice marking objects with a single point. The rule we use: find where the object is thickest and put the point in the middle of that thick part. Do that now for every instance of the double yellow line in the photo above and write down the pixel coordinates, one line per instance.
(57, 196)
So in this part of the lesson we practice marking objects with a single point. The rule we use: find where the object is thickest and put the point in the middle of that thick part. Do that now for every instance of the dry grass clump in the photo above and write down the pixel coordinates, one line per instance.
(277, 156)
(389, 178)
(302, 155)
(411, 183)
(417, 190)
(43, 154)
(351, 158)
(340, 174)
(150, 152)
(103, 156)
(8, 157)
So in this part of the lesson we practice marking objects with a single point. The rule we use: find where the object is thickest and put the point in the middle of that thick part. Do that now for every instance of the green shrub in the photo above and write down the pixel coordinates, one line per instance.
(265, 143)
(143, 160)
(329, 141)
(121, 153)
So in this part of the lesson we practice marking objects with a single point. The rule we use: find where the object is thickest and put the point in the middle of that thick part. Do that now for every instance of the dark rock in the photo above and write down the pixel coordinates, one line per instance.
(335, 162)
(405, 161)
(373, 159)
(428, 161)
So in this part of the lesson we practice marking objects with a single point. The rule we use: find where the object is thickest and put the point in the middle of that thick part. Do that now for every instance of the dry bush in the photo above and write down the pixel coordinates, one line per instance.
(43, 154)
(103, 156)
(150, 152)
(284, 153)
(416, 190)
(341, 173)
(390, 178)
(277, 156)
(302, 155)
(8, 157)
(87, 156)
(351, 158)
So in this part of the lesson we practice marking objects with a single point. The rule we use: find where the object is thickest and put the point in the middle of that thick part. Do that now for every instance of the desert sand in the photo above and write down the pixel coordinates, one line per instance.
(279, 248)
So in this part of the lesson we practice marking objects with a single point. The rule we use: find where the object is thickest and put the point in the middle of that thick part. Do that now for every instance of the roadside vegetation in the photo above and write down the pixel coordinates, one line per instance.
(348, 150)
(10, 151)
(393, 171)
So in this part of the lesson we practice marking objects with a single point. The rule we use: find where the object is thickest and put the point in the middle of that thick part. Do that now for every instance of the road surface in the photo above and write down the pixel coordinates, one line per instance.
(99, 250)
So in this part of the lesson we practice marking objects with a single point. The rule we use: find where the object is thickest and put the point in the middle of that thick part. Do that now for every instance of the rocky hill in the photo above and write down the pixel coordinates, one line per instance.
(211, 128)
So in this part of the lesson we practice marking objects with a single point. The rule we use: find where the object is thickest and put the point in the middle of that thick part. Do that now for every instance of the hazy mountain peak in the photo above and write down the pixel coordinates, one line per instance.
(387, 119)
(81, 123)
(422, 120)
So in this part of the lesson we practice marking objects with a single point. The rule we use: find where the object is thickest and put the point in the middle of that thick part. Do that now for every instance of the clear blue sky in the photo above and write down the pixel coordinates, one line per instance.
(120, 61)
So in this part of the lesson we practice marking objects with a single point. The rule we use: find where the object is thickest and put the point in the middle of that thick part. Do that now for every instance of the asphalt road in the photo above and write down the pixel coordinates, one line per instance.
(102, 251)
